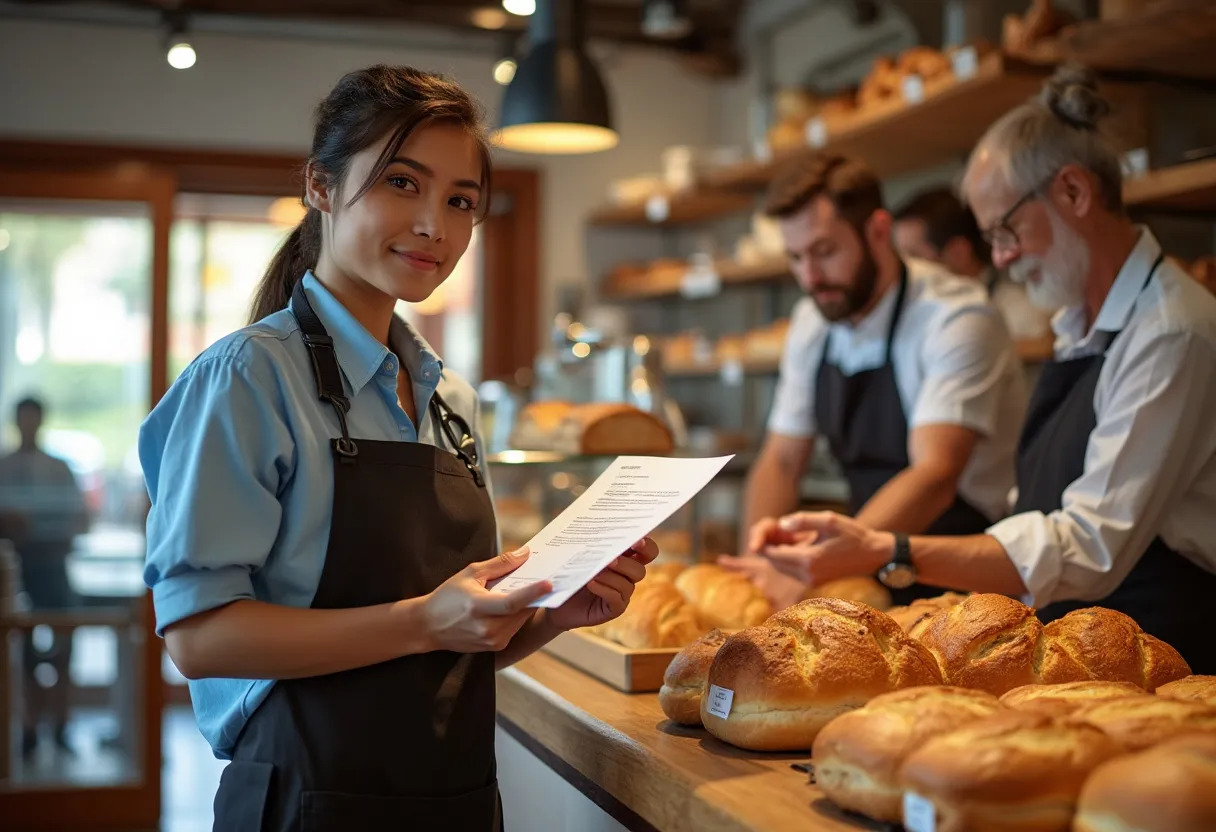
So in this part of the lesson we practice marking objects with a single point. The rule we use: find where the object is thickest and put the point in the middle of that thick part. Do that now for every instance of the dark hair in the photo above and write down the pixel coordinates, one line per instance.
(30, 403)
(361, 108)
(850, 185)
(945, 217)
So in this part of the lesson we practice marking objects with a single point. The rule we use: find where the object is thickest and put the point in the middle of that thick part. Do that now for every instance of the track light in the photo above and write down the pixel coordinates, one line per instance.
(523, 8)
(178, 51)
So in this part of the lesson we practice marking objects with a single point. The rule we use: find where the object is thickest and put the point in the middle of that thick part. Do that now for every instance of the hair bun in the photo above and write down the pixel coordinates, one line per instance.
(1072, 95)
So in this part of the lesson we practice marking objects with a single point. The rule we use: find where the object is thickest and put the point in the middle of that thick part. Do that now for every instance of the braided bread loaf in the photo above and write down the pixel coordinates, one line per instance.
(657, 616)
(805, 665)
(995, 643)
(722, 599)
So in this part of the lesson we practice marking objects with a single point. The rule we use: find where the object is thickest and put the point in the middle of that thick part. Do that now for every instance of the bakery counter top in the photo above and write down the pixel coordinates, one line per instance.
(648, 773)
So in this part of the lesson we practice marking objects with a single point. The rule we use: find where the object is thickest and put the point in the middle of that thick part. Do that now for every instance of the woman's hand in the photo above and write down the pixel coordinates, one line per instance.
(608, 593)
(462, 616)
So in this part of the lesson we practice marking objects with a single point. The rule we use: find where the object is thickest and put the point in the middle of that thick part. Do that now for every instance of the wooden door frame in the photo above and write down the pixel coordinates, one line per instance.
(121, 806)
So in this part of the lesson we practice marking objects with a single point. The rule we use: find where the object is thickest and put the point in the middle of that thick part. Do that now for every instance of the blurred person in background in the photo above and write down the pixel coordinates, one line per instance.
(42, 510)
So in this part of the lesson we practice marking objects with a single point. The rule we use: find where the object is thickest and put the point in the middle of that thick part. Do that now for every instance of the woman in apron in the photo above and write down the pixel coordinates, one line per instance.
(321, 532)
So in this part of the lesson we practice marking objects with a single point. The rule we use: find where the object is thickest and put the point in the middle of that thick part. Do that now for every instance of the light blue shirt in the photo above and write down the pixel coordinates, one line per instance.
(237, 462)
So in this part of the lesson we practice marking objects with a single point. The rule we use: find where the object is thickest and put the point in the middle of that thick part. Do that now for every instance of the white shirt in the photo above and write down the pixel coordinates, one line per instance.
(1150, 465)
(954, 364)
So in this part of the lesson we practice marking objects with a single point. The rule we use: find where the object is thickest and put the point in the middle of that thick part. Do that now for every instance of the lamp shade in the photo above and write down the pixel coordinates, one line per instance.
(556, 103)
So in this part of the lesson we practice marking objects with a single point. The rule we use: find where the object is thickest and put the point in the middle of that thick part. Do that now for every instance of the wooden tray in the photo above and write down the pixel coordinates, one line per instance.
(631, 671)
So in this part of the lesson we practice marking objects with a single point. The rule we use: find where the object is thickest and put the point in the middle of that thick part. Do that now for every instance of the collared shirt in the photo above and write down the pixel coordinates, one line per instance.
(1150, 465)
(238, 467)
(954, 364)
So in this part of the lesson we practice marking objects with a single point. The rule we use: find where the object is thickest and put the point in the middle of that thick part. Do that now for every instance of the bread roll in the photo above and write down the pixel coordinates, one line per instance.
(657, 616)
(723, 599)
(536, 427)
(912, 618)
(684, 681)
(863, 590)
(1011, 772)
(1169, 788)
(858, 755)
(667, 572)
(996, 644)
(807, 665)
(612, 429)
(1191, 688)
(1062, 700)
(1138, 722)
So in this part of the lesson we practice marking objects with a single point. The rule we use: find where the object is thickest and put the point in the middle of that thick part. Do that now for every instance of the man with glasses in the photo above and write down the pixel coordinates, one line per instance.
(1116, 502)
(904, 369)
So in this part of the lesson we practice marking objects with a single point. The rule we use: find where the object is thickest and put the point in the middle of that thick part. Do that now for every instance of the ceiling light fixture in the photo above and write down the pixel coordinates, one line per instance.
(557, 102)
(178, 50)
(523, 8)
(489, 18)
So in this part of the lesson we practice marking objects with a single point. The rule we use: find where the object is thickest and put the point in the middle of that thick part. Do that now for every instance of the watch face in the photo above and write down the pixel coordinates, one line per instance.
(897, 575)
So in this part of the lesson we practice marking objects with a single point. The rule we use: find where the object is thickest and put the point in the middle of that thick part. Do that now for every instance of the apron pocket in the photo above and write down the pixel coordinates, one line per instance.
(475, 811)
(240, 800)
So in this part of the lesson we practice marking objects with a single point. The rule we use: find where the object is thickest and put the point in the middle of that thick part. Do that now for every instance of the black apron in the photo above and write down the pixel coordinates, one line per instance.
(862, 417)
(1167, 594)
(409, 743)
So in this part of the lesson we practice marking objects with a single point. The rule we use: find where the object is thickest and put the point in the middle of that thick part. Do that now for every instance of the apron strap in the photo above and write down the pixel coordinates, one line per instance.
(899, 309)
(325, 368)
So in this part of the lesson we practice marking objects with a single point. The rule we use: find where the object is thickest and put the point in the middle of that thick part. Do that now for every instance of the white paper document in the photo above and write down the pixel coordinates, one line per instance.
(625, 503)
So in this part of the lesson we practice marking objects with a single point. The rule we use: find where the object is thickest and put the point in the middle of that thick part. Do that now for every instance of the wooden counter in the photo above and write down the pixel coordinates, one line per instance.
(622, 752)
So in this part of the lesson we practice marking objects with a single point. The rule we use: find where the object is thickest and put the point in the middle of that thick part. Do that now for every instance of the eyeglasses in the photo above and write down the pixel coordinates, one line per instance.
(1000, 236)
(461, 437)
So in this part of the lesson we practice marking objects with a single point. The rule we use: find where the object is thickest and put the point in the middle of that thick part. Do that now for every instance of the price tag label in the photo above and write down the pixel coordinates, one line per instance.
(913, 87)
(817, 132)
(731, 373)
(719, 701)
(919, 814)
(700, 281)
(966, 63)
(658, 208)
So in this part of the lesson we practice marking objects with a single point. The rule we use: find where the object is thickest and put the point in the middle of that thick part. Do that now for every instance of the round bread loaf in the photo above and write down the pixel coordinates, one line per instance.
(1011, 772)
(1062, 700)
(684, 682)
(657, 616)
(1139, 722)
(667, 571)
(807, 665)
(1169, 788)
(722, 599)
(912, 618)
(858, 755)
(1193, 688)
(996, 644)
(863, 590)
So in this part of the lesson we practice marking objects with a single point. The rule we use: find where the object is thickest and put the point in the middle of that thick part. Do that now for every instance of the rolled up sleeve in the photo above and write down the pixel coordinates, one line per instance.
(1152, 439)
(215, 452)
(793, 411)
(966, 358)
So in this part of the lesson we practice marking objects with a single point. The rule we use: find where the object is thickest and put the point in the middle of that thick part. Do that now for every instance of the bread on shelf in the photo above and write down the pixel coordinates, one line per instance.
(858, 755)
(1168, 788)
(684, 682)
(995, 643)
(1011, 771)
(657, 616)
(862, 590)
(766, 344)
(537, 424)
(805, 666)
(913, 617)
(1066, 699)
(722, 599)
(1139, 722)
(1191, 688)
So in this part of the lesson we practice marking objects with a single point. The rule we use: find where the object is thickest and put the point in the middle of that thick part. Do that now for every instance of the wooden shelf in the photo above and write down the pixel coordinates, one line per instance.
(1170, 40)
(715, 368)
(1185, 188)
(682, 208)
(730, 273)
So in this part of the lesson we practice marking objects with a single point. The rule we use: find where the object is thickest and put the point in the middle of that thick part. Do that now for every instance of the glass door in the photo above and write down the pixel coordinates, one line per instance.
(83, 277)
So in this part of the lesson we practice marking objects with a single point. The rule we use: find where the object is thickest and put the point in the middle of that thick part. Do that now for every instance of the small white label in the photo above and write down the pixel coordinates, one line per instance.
(732, 376)
(817, 132)
(913, 89)
(657, 208)
(719, 701)
(965, 62)
(919, 814)
(700, 281)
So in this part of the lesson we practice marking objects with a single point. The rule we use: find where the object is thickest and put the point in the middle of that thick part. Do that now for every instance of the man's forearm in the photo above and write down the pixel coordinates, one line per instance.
(974, 563)
(910, 502)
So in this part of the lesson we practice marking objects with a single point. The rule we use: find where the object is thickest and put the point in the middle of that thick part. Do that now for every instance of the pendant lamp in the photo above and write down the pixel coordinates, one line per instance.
(557, 102)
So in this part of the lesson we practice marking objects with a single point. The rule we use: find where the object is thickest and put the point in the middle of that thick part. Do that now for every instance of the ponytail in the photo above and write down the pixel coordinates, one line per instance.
(297, 255)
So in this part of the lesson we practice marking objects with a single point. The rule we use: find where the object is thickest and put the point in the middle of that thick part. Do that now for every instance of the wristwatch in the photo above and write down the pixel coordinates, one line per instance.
(899, 573)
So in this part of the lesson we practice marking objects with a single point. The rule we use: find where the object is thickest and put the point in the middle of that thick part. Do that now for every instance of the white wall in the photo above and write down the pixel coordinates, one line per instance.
(110, 83)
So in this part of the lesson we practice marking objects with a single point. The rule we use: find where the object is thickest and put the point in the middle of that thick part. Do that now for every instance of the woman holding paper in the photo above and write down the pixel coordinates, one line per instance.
(321, 532)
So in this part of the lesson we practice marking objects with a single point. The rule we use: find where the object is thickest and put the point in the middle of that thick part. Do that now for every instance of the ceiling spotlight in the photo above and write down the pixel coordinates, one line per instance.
(504, 70)
(666, 19)
(178, 51)
(489, 18)
(523, 8)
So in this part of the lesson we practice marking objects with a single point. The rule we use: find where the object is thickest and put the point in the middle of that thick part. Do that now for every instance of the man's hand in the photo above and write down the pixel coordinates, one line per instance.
(780, 589)
(829, 546)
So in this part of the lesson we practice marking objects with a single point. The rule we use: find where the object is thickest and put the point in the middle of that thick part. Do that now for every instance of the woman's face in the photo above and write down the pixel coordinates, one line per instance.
(404, 235)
